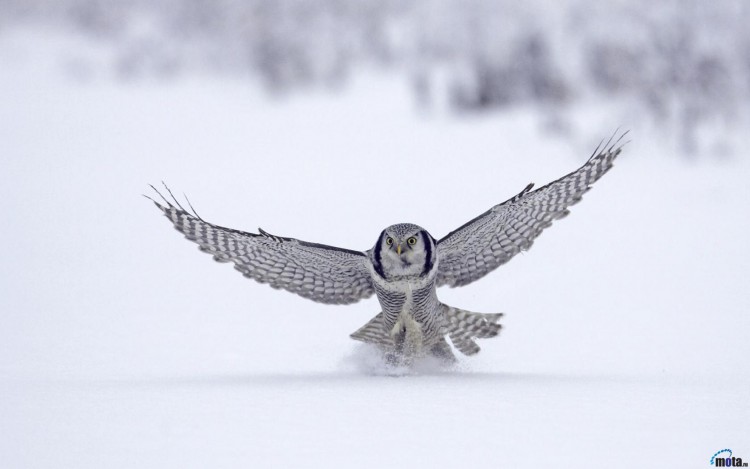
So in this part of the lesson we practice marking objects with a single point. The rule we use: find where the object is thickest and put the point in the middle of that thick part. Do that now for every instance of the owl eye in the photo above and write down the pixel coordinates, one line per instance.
(412, 241)
(389, 241)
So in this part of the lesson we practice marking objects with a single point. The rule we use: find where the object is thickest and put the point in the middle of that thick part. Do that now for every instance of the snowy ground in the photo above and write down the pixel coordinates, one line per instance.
(626, 339)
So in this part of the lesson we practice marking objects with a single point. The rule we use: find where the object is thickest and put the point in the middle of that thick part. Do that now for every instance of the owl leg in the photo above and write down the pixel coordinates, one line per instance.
(402, 352)
(374, 332)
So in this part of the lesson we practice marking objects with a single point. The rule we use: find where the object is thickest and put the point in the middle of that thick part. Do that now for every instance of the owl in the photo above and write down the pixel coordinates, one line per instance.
(405, 266)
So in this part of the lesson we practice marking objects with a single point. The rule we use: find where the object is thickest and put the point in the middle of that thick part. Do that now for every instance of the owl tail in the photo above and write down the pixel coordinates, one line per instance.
(374, 333)
(464, 326)
(461, 326)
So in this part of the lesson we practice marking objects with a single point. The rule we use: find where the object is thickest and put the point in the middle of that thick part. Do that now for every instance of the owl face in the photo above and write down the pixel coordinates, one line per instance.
(404, 250)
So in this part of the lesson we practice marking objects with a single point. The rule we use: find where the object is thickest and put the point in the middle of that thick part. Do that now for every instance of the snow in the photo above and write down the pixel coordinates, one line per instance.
(626, 327)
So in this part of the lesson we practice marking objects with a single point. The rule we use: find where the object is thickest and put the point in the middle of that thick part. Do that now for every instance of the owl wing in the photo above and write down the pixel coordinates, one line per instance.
(325, 274)
(494, 237)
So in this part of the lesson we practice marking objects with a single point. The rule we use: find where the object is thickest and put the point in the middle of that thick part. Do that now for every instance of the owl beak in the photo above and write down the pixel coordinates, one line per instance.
(398, 249)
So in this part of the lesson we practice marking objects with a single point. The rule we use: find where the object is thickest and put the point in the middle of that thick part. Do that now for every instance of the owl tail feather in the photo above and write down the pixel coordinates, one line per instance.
(464, 326)
(374, 333)
(461, 326)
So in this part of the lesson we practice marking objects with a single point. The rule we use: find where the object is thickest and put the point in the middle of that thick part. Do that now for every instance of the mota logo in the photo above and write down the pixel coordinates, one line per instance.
(724, 458)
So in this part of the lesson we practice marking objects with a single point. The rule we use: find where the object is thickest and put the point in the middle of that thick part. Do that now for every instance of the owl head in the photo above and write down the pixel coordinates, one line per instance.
(404, 250)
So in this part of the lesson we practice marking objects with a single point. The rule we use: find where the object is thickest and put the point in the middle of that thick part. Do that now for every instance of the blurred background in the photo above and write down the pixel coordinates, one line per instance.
(625, 331)
(681, 66)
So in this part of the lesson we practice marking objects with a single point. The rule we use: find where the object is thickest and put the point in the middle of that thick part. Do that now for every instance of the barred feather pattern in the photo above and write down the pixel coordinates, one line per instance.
(462, 326)
(374, 332)
(318, 272)
(465, 326)
(493, 238)
(421, 303)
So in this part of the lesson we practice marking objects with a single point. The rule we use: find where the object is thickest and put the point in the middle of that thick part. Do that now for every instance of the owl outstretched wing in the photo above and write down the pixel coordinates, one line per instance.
(494, 237)
(325, 274)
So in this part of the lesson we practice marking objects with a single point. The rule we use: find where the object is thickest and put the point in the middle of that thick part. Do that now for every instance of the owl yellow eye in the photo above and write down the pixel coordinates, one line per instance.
(412, 241)
(389, 241)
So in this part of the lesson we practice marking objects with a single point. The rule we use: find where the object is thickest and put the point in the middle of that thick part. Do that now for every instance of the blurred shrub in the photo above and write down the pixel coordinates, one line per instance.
(685, 63)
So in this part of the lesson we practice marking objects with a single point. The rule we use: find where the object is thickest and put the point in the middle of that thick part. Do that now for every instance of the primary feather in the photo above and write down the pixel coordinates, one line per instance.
(494, 237)
(325, 274)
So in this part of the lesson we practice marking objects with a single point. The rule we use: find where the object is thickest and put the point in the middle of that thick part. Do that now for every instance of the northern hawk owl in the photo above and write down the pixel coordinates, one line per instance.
(405, 266)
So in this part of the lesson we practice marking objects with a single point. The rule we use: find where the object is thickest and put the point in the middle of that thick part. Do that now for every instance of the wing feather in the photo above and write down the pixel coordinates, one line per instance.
(494, 237)
(322, 273)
